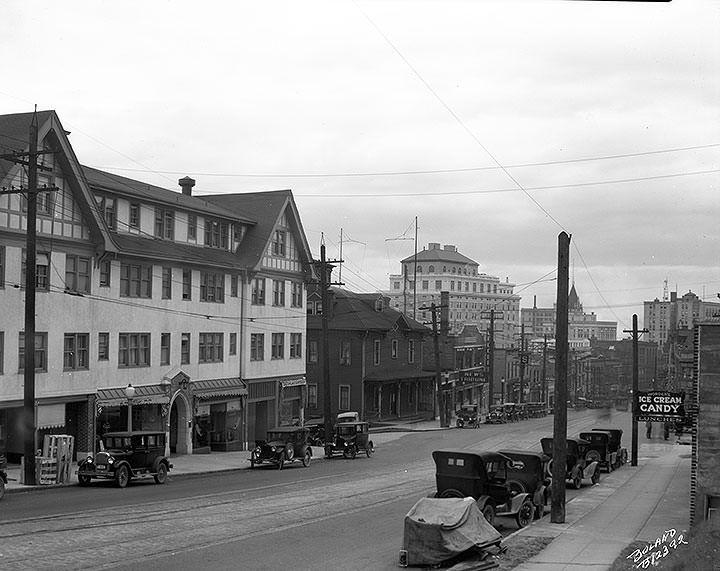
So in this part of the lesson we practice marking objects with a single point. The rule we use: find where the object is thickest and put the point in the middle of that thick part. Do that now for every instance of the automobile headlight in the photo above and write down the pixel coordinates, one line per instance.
(89, 459)
(111, 460)
(272, 449)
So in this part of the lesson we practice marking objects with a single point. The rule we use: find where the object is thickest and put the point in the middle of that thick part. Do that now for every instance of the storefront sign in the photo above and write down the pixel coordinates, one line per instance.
(659, 406)
(293, 382)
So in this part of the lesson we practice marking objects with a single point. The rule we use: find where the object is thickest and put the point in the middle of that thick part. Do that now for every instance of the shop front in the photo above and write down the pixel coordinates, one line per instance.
(292, 401)
(219, 407)
(135, 407)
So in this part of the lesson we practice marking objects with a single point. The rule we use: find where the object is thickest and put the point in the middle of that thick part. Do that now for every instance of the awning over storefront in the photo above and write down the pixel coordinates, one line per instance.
(51, 415)
(144, 394)
(214, 388)
(295, 382)
(386, 379)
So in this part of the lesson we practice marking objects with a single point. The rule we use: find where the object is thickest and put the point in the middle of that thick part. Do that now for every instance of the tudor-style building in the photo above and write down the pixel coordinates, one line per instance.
(139, 285)
(375, 358)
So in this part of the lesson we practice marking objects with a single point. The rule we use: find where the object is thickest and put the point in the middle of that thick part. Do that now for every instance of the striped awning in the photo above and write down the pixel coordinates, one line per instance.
(213, 388)
(144, 394)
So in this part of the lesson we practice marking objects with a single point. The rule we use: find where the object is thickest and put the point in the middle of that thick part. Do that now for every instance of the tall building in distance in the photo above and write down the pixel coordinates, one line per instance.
(472, 294)
(663, 317)
(582, 326)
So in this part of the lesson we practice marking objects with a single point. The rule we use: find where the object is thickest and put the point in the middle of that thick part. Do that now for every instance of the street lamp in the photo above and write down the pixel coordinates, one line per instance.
(502, 393)
(129, 394)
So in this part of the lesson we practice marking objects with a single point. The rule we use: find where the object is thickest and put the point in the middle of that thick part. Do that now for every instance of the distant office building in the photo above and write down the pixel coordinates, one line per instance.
(582, 326)
(472, 294)
(663, 317)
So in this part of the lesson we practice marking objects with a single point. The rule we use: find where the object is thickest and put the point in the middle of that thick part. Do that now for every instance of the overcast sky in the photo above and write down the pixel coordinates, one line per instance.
(498, 124)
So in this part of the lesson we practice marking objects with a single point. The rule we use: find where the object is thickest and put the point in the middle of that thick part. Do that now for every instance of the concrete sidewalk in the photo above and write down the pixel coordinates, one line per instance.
(223, 461)
(630, 504)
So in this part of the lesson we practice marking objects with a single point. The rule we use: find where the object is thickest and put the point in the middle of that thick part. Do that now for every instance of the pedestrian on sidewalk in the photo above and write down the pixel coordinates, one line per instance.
(648, 429)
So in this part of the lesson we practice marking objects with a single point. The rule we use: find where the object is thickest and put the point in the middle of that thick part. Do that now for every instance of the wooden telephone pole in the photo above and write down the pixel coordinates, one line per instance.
(29, 159)
(635, 336)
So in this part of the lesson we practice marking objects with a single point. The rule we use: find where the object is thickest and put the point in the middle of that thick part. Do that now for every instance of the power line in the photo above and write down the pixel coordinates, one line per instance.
(417, 172)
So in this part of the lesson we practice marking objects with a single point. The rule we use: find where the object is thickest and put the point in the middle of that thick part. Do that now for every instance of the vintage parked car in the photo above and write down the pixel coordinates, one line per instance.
(127, 455)
(577, 468)
(615, 444)
(316, 431)
(600, 451)
(511, 413)
(468, 415)
(496, 415)
(283, 445)
(484, 477)
(522, 411)
(527, 472)
(348, 439)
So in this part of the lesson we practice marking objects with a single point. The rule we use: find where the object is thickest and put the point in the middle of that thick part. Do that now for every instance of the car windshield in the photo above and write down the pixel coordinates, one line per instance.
(278, 436)
(346, 430)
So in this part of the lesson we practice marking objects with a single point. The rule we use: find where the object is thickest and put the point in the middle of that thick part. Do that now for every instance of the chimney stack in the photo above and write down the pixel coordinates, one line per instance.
(186, 184)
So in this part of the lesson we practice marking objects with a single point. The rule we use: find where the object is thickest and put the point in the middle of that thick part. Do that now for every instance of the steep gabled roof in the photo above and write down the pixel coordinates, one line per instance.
(101, 180)
(356, 312)
(266, 208)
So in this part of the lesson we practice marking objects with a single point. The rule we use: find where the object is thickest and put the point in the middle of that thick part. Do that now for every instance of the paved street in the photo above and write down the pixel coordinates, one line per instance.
(334, 512)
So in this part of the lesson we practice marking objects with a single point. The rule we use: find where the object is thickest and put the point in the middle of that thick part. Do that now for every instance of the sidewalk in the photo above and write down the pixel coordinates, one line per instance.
(222, 461)
(630, 504)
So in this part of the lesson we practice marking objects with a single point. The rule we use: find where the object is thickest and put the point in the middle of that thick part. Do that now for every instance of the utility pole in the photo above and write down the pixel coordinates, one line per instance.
(492, 314)
(30, 160)
(557, 511)
(544, 371)
(635, 336)
(325, 268)
(438, 408)
(523, 363)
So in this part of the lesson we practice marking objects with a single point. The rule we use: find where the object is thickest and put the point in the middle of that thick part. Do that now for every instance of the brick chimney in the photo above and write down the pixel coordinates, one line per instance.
(186, 184)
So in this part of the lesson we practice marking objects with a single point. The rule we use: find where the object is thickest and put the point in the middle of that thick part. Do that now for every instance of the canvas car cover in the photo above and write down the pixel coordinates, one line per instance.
(438, 529)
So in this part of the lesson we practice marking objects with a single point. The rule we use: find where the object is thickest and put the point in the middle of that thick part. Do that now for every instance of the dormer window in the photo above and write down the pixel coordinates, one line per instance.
(379, 304)
(216, 234)
(164, 224)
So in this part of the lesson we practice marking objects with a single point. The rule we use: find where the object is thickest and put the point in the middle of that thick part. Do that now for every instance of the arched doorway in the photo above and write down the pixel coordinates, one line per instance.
(179, 440)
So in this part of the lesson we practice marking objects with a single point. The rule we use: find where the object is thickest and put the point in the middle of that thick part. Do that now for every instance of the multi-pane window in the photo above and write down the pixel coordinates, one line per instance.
(187, 284)
(312, 352)
(75, 351)
(411, 351)
(135, 280)
(192, 227)
(279, 243)
(210, 348)
(134, 219)
(438, 285)
(279, 293)
(312, 395)
(233, 285)
(216, 234)
(394, 349)
(258, 291)
(164, 348)
(134, 350)
(40, 351)
(295, 345)
(212, 287)
(257, 346)
(42, 271)
(103, 346)
(2, 352)
(105, 273)
(376, 352)
(166, 282)
(344, 397)
(2, 266)
(297, 294)
(345, 352)
(106, 206)
(184, 348)
(164, 224)
(277, 349)
(232, 350)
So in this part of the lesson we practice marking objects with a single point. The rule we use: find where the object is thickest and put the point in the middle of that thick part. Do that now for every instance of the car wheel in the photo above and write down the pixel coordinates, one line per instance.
(592, 456)
(451, 493)
(281, 461)
(162, 473)
(488, 512)
(83, 480)
(459, 423)
(370, 450)
(122, 476)
(350, 452)
(306, 458)
(577, 482)
(525, 515)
